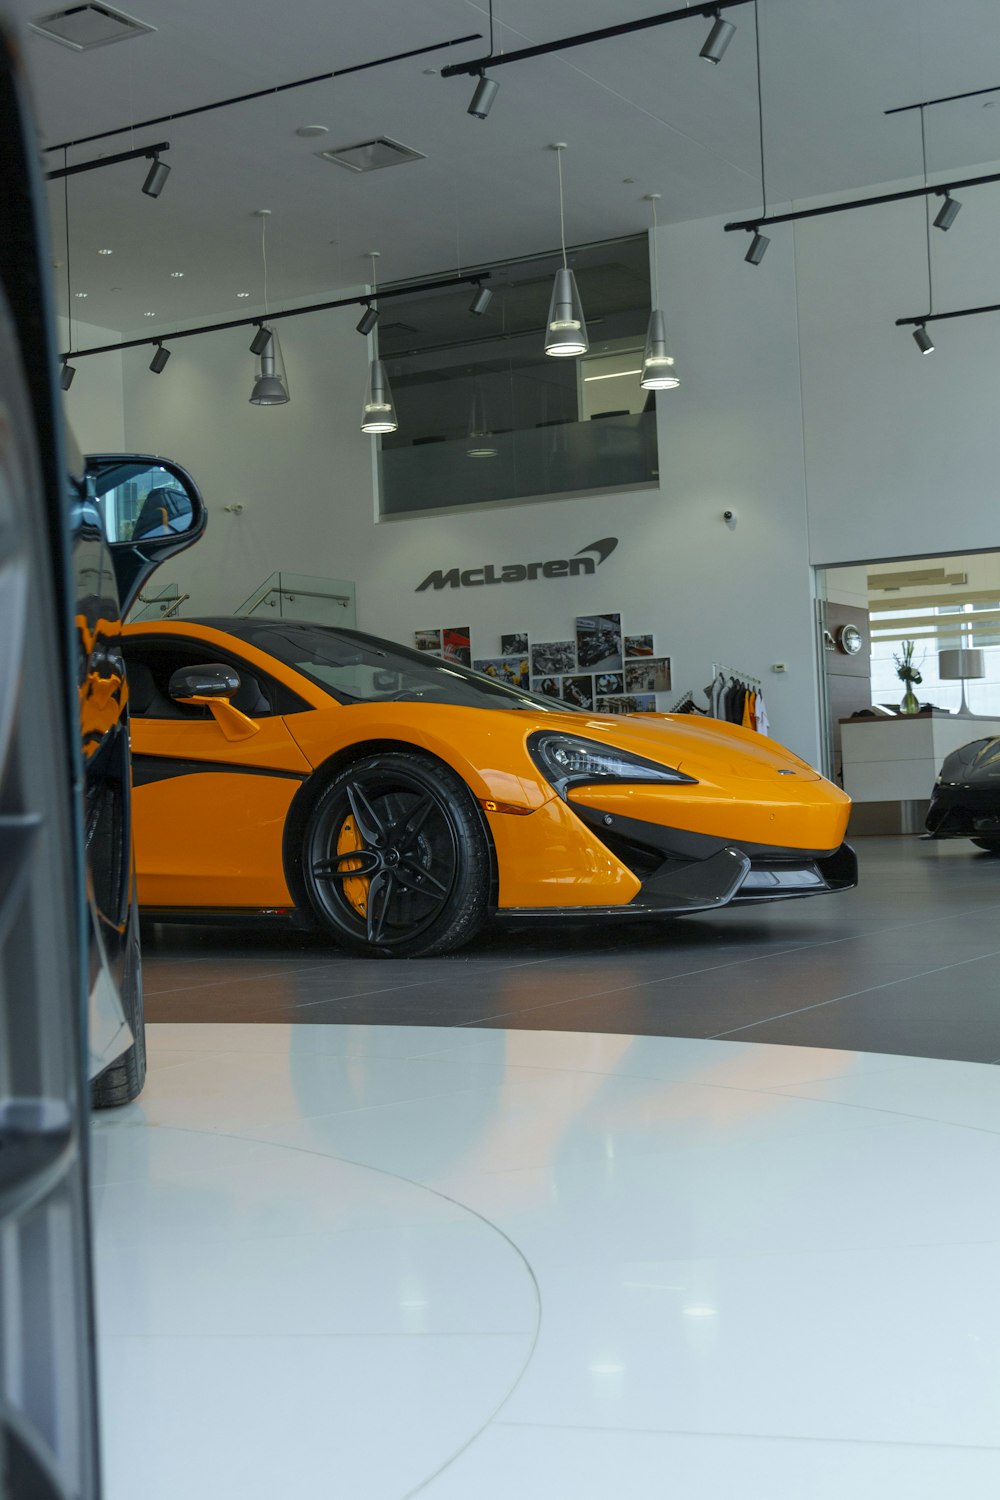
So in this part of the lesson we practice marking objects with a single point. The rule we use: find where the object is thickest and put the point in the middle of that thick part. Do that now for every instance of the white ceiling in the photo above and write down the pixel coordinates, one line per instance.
(640, 114)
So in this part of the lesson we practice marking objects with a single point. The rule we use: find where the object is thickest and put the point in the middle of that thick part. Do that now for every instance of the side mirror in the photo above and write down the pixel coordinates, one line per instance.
(150, 508)
(215, 680)
(214, 684)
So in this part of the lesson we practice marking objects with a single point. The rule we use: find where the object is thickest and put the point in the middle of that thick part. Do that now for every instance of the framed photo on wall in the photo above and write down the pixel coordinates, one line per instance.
(599, 642)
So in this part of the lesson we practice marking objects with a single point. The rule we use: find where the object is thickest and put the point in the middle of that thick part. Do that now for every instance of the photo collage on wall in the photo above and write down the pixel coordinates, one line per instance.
(599, 669)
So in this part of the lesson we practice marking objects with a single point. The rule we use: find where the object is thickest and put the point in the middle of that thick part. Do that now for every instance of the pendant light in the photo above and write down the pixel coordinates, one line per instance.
(659, 372)
(481, 442)
(566, 330)
(378, 415)
(270, 387)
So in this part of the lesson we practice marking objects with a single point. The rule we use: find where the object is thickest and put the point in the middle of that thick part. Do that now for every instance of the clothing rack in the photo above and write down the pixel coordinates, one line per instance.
(720, 672)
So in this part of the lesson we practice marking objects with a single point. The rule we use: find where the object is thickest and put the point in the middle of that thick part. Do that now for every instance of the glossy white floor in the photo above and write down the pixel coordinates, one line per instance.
(370, 1262)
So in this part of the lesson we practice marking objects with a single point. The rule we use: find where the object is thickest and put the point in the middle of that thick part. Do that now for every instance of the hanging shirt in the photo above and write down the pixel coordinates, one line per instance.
(747, 720)
(763, 723)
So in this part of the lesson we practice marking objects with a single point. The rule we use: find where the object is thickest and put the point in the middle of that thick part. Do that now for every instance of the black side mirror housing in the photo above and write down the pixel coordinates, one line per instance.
(213, 680)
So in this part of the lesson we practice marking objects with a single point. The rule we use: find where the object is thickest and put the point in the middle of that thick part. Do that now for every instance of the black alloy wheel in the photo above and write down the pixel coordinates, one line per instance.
(395, 858)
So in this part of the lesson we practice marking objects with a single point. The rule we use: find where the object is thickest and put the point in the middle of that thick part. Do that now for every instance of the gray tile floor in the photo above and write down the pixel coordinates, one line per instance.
(907, 963)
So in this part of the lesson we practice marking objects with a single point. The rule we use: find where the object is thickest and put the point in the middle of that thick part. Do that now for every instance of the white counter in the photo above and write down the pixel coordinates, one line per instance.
(897, 760)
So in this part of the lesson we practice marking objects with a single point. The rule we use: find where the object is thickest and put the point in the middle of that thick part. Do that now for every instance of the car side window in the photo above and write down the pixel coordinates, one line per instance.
(150, 664)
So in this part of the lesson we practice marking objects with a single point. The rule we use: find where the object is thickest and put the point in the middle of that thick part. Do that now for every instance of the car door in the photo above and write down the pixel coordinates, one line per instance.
(209, 798)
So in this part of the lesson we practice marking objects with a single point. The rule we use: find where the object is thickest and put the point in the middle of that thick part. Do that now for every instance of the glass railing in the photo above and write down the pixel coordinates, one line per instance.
(299, 596)
(162, 601)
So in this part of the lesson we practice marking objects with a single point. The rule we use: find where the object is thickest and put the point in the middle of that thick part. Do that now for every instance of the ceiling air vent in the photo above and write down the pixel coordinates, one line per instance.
(84, 26)
(369, 156)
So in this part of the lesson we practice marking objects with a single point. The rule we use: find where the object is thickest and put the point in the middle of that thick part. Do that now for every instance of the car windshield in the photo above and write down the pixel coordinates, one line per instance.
(358, 668)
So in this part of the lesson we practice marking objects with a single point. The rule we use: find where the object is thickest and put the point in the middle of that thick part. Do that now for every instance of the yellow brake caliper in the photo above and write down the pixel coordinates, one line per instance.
(356, 891)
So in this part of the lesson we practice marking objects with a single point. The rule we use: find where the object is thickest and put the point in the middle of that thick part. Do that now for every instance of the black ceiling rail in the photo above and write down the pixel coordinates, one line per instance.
(940, 188)
(382, 295)
(108, 161)
(940, 317)
(583, 38)
(280, 88)
(901, 109)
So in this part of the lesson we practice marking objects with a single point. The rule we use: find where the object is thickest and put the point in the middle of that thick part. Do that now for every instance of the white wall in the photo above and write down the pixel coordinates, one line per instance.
(902, 449)
(94, 403)
(802, 408)
(729, 438)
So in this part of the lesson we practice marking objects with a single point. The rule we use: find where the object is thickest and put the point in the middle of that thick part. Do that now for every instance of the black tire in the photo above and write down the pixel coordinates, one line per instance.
(992, 846)
(122, 1080)
(395, 858)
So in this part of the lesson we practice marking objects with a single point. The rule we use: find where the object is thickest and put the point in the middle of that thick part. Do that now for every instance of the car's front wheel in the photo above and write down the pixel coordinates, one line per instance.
(395, 858)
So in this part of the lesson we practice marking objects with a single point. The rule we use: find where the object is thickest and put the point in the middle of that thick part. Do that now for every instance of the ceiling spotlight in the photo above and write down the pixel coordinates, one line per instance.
(378, 413)
(368, 319)
(105, 252)
(923, 340)
(261, 340)
(66, 376)
(718, 39)
(482, 99)
(158, 363)
(565, 328)
(481, 301)
(156, 178)
(758, 246)
(947, 213)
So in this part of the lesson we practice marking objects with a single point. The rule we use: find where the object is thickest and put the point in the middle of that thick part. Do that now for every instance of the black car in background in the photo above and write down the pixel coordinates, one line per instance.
(68, 934)
(965, 803)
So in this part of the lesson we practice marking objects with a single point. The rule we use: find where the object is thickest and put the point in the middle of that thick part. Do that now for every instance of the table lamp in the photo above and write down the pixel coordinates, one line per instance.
(960, 665)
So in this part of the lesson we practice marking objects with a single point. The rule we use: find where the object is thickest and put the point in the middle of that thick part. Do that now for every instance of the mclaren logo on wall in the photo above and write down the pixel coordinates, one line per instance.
(587, 560)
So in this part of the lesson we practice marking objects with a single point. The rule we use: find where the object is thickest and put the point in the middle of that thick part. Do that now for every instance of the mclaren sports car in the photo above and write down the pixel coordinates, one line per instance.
(965, 803)
(399, 801)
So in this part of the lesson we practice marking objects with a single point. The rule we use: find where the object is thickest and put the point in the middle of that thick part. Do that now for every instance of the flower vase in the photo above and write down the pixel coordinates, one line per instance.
(910, 703)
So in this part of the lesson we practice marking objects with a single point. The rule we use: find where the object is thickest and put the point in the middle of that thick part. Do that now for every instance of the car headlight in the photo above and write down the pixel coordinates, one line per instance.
(568, 760)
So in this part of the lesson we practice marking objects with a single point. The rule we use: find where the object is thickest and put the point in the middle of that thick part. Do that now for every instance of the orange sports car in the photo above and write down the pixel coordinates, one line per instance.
(399, 800)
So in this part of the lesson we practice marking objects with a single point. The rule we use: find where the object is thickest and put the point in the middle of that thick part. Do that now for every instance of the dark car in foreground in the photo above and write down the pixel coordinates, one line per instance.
(69, 957)
(965, 803)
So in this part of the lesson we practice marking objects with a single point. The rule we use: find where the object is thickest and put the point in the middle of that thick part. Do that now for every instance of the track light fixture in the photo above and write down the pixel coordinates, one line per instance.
(923, 340)
(475, 65)
(156, 178)
(758, 248)
(659, 372)
(718, 39)
(947, 213)
(482, 99)
(437, 284)
(158, 363)
(261, 340)
(368, 319)
(565, 330)
(481, 301)
(66, 376)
